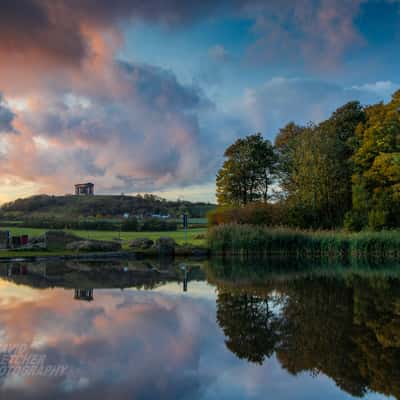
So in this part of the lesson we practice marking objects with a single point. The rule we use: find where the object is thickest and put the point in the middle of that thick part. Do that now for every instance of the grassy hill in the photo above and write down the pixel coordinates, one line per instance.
(65, 207)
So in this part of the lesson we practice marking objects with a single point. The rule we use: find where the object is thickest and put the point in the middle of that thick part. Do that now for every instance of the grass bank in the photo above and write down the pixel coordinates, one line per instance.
(178, 236)
(234, 239)
(195, 237)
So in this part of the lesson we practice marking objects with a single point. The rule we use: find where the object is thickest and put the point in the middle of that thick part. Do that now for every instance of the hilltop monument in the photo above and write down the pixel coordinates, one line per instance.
(84, 189)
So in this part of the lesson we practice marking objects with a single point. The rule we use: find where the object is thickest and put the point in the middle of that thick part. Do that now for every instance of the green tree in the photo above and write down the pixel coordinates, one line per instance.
(285, 144)
(317, 169)
(247, 172)
(376, 178)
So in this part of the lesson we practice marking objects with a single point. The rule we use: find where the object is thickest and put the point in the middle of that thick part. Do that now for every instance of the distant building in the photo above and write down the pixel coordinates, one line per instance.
(84, 189)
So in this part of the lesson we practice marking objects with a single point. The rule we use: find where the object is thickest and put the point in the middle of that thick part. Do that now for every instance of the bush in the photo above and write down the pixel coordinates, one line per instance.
(252, 214)
(353, 221)
(377, 219)
(92, 225)
(157, 225)
(130, 225)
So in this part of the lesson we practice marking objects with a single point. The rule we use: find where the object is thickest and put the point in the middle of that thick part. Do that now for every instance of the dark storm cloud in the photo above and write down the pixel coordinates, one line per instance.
(37, 27)
(56, 30)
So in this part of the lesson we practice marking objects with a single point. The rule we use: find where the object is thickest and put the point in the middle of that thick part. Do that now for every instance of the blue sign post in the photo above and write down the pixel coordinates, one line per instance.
(185, 225)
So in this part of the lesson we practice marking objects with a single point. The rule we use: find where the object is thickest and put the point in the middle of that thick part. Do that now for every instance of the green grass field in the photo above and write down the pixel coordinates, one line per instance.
(178, 236)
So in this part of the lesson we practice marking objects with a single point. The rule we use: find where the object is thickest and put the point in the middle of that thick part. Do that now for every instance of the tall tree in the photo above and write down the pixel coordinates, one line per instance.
(248, 171)
(317, 169)
(285, 143)
(376, 179)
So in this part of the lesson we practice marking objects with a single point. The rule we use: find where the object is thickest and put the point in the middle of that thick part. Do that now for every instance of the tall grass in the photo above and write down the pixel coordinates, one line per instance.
(236, 239)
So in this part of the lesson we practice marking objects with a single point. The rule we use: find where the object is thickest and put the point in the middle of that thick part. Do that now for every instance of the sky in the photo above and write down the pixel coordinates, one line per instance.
(143, 97)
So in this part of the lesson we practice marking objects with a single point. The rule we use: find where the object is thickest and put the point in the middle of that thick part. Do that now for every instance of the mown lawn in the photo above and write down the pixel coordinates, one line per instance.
(178, 235)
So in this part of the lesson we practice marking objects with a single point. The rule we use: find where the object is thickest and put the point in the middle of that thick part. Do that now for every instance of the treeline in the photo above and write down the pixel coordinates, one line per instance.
(101, 206)
(343, 172)
(127, 225)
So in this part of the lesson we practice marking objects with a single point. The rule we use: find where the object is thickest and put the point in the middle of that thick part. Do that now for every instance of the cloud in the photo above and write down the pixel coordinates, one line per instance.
(6, 118)
(281, 100)
(314, 32)
(57, 30)
(64, 34)
(383, 89)
(140, 134)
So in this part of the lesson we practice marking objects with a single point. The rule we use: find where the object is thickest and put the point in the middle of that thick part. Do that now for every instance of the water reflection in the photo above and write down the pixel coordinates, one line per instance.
(133, 331)
(343, 323)
(85, 277)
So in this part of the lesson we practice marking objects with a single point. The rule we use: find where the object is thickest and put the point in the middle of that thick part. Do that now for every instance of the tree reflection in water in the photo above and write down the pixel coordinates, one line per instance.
(344, 324)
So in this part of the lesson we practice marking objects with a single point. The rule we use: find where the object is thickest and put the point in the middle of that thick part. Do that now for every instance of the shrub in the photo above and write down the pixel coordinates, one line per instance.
(130, 225)
(353, 221)
(156, 225)
(377, 219)
(252, 214)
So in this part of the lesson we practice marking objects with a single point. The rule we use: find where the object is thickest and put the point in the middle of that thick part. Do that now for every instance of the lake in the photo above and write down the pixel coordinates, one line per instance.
(199, 330)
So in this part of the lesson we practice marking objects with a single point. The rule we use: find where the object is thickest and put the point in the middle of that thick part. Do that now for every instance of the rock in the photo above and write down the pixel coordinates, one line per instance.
(58, 240)
(34, 246)
(166, 246)
(93, 245)
(141, 243)
(37, 239)
(165, 241)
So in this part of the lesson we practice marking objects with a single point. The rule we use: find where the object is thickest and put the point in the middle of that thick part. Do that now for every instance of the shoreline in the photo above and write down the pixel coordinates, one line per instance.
(201, 252)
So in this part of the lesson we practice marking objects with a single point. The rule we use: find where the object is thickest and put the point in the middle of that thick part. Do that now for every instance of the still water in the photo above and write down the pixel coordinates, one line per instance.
(191, 330)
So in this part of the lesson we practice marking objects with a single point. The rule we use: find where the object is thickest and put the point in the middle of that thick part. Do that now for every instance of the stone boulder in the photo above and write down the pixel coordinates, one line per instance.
(166, 246)
(93, 245)
(37, 239)
(141, 243)
(34, 246)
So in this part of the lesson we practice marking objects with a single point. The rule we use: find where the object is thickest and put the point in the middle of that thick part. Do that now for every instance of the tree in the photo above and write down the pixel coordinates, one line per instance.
(316, 169)
(285, 143)
(248, 171)
(376, 178)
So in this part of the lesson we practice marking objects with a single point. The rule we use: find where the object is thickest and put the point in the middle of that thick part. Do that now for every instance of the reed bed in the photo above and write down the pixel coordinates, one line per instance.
(237, 239)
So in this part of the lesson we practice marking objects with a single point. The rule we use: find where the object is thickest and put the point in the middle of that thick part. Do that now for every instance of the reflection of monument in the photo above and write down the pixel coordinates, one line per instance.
(84, 294)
